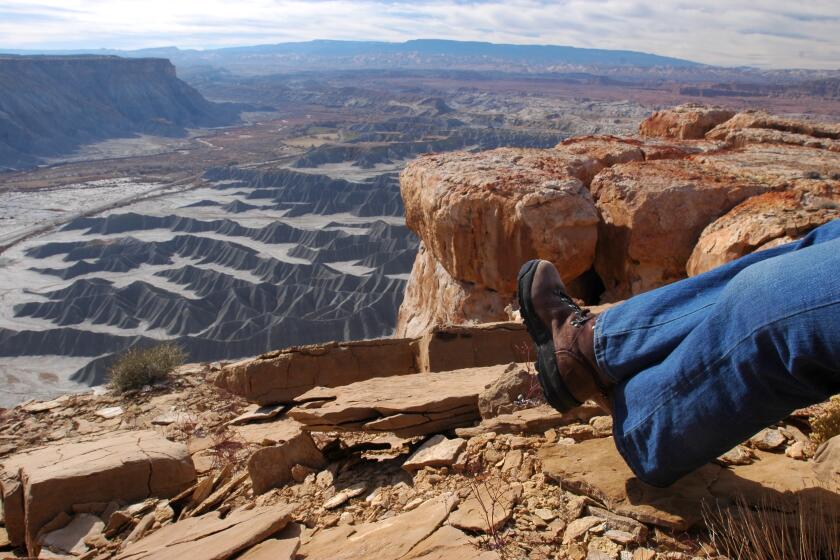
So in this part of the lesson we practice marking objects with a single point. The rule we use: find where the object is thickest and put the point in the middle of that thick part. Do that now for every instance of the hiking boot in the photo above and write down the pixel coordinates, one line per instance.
(564, 335)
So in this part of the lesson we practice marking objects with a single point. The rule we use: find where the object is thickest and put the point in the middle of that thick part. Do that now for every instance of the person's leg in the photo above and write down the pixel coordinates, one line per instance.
(767, 344)
(642, 331)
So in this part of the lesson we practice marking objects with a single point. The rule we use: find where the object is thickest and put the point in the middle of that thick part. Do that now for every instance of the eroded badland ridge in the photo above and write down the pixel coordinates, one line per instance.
(435, 444)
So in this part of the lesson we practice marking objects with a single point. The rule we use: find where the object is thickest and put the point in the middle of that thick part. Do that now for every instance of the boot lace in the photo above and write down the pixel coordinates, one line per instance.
(580, 315)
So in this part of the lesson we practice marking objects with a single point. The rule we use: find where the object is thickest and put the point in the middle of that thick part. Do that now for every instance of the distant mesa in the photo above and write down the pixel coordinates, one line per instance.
(51, 105)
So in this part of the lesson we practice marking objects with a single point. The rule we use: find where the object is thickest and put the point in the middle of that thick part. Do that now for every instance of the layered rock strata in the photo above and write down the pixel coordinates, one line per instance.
(281, 376)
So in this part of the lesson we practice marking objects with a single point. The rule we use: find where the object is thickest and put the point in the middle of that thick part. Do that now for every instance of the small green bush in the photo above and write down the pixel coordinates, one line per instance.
(139, 367)
(826, 423)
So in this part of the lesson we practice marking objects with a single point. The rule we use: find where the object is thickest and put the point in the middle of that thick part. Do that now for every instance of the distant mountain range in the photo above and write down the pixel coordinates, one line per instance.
(420, 53)
(50, 105)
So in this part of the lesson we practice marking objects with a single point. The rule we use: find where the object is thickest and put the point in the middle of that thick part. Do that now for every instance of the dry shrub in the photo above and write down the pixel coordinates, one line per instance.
(139, 367)
(772, 531)
(826, 423)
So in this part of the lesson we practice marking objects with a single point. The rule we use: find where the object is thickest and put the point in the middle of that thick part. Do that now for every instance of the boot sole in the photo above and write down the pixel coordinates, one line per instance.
(554, 389)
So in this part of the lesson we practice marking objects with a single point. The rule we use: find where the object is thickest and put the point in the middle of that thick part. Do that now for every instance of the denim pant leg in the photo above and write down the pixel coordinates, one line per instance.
(642, 331)
(770, 344)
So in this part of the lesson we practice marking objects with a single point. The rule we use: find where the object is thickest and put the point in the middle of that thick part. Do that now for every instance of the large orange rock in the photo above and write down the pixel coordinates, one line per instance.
(762, 222)
(652, 215)
(38, 485)
(482, 215)
(684, 122)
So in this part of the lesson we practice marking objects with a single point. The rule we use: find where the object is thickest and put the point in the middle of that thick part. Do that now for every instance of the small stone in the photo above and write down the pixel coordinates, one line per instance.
(738, 455)
(796, 451)
(110, 412)
(550, 435)
(71, 539)
(620, 537)
(545, 514)
(538, 523)
(518, 442)
(413, 503)
(438, 451)
(578, 432)
(604, 546)
(768, 439)
(513, 460)
(644, 554)
(325, 478)
(579, 527)
(346, 518)
(342, 497)
(300, 472)
(602, 425)
(566, 441)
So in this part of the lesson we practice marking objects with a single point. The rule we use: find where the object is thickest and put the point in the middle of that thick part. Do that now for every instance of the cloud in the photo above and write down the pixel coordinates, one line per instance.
(770, 33)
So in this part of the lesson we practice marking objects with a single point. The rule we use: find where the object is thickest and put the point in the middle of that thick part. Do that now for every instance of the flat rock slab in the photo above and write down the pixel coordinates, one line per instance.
(407, 405)
(534, 420)
(129, 466)
(389, 539)
(210, 538)
(279, 377)
(595, 468)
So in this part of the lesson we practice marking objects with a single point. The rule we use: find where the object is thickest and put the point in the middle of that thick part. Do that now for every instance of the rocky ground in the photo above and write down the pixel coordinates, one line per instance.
(188, 467)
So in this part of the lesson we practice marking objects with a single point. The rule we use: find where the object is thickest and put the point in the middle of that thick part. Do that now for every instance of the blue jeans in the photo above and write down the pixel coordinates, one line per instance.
(703, 364)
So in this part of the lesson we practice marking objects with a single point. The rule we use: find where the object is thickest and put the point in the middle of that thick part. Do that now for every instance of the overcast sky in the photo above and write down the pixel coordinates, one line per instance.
(764, 33)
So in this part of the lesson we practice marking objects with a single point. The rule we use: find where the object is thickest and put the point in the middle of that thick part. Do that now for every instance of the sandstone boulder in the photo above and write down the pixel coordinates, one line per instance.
(652, 215)
(761, 222)
(407, 405)
(684, 122)
(209, 537)
(279, 377)
(482, 215)
(284, 445)
(122, 466)
(389, 539)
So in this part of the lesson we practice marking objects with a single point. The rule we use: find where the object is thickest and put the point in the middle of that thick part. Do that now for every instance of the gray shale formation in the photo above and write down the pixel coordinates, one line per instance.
(217, 287)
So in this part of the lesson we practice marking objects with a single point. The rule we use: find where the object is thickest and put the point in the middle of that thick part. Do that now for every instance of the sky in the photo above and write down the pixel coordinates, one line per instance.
(760, 33)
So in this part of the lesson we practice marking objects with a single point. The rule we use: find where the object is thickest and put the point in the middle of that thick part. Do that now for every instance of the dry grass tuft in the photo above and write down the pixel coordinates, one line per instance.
(139, 367)
(810, 530)
(826, 423)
